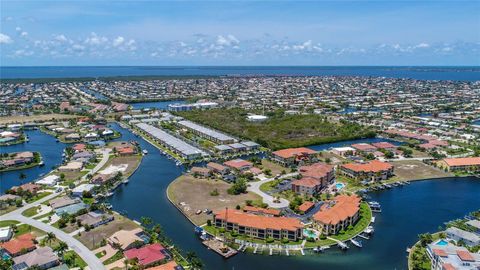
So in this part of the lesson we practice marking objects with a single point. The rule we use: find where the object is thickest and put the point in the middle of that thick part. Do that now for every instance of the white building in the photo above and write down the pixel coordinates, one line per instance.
(78, 191)
(5, 234)
(471, 239)
(50, 180)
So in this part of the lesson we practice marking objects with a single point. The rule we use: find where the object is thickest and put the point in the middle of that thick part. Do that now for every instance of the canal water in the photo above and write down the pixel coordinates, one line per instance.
(51, 153)
(407, 211)
(160, 105)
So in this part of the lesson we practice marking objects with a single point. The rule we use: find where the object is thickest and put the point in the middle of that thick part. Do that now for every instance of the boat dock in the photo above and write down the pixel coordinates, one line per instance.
(220, 248)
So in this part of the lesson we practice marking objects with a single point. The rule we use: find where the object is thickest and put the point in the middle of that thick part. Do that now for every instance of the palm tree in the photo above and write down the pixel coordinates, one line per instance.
(61, 248)
(146, 221)
(50, 237)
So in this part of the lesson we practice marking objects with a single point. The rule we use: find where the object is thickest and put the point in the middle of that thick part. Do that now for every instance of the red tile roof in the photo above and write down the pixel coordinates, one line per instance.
(383, 145)
(468, 161)
(363, 146)
(372, 166)
(238, 163)
(306, 182)
(15, 246)
(304, 207)
(268, 211)
(448, 266)
(317, 170)
(293, 152)
(171, 265)
(344, 207)
(465, 256)
(440, 252)
(146, 255)
(259, 222)
(216, 166)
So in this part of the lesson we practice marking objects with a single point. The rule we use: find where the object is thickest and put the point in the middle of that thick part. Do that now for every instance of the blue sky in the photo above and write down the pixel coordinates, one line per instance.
(199, 32)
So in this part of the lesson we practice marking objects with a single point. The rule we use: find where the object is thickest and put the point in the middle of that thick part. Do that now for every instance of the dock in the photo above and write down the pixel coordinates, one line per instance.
(220, 248)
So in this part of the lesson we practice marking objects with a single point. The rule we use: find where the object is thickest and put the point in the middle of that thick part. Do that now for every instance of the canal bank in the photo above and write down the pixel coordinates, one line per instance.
(403, 218)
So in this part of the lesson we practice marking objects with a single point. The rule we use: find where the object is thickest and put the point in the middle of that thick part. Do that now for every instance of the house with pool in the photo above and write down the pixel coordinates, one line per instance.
(337, 214)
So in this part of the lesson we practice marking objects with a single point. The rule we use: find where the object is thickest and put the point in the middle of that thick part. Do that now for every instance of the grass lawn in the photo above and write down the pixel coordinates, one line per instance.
(195, 194)
(114, 258)
(360, 226)
(30, 212)
(25, 228)
(38, 196)
(44, 215)
(279, 131)
(100, 254)
(268, 186)
(7, 223)
(74, 260)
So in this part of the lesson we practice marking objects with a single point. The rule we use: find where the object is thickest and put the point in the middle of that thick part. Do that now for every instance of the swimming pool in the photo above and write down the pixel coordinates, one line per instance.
(442, 242)
(309, 233)
(339, 186)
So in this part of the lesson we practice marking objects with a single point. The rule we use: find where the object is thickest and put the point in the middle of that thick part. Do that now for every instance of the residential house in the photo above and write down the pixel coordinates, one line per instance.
(149, 254)
(43, 258)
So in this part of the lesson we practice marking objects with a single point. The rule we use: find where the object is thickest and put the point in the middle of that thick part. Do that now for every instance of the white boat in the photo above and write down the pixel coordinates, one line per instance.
(125, 181)
(369, 230)
(372, 220)
(356, 243)
(145, 151)
(342, 245)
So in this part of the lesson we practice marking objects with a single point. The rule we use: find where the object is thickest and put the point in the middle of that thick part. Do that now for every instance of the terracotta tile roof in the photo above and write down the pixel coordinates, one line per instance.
(344, 207)
(468, 161)
(14, 246)
(171, 265)
(465, 256)
(440, 252)
(260, 222)
(306, 182)
(146, 255)
(268, 211)
(304, 207)
(216, 166)
(292, 152)
(317, 170)
(238, 163)
(372, 166)
(383, 145)
(363, 146)
(448, 266)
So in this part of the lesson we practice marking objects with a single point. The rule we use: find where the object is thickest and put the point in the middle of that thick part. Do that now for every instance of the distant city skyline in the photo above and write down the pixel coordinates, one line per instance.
(169, 33)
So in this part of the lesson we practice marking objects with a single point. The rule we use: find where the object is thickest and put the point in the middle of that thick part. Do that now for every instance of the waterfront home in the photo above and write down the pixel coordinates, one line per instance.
(71, 209)
(344, 151)
(238, 165)
(315, 177)
(451, 257)
(100, 178)
(43, 257)
(71, 166)
(364, 147)
(73, 137)
(149, 254)
(262, 211)
(385, 145)
(337, 214)
(83, 155)
(19, 245)
(30, 187)
(5, 234)
(200, 171)
(218, 168)
(475, 224)
(95, 218)
(258, 226)
(292, 156)
(460, 164)
(79, 190)
(469, 238)
(50, 180)
(374, 170)
(251, 146)
(126, 239)
(79, 147)
(223, 149)
(63, 201)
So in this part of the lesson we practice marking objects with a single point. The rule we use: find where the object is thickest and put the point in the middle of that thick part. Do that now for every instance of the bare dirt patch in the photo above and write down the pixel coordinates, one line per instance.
(33, 118)
(191, 194)
(415, 170)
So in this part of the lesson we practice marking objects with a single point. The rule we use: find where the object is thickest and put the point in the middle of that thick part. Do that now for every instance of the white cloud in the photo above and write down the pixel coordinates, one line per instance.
(4, 39)
(78, 47)
(95, 39)
(61, 38)
(24, 34)
(422, 45)
(18, 29)
(21, 53)
(118, 41)
(229, 40)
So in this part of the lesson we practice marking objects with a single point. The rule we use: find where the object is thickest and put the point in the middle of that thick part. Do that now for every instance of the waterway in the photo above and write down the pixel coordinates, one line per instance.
(407, 211)
(160, 105)
(416, 72)
(51, 153)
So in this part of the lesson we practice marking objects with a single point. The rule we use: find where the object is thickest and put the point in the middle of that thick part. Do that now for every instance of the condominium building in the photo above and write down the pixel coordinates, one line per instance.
(337, 214)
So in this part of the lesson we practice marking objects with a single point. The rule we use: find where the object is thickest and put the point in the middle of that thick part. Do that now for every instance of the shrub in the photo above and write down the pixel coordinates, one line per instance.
(214, 192)
(270, 240)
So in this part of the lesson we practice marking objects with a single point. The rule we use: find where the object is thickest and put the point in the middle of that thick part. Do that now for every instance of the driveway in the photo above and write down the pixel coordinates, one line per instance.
(268, 199)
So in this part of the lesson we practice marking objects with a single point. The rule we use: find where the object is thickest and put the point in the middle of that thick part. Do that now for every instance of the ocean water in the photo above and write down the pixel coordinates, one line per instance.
(417, 72)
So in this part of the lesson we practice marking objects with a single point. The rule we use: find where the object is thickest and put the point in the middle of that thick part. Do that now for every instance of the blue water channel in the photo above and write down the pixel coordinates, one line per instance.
(407, 211)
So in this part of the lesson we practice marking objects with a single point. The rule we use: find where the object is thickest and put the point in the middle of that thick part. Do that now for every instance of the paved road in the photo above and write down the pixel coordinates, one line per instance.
(268, 199)
(105, 156)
